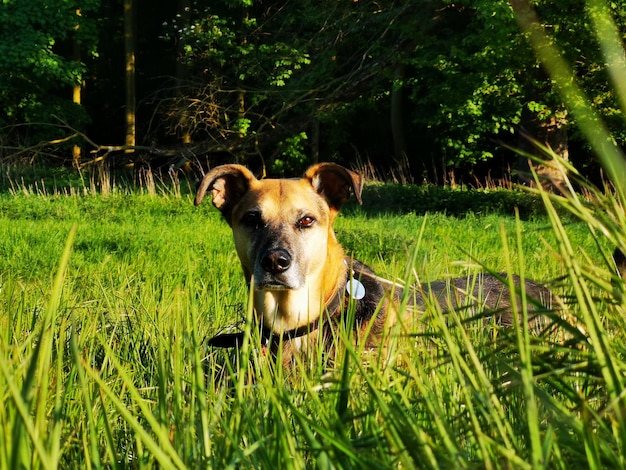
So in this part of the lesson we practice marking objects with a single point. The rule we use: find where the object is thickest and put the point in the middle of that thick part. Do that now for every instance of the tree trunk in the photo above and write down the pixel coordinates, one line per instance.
(241, 111)
(241, 94)
(315, 140)
(76, 93)
(551, 133)
(184, 10)
(129, 49)
(397, 114)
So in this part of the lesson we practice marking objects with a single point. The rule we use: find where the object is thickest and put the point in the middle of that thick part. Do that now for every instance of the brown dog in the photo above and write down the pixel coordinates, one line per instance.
(302, 280)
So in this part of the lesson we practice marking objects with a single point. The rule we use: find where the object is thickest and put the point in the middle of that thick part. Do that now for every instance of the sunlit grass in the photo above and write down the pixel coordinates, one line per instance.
(106, 300)
(130, 381)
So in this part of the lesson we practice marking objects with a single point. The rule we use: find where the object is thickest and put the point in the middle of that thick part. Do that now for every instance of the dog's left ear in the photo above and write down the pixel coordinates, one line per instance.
(228, 184)
(334, 183)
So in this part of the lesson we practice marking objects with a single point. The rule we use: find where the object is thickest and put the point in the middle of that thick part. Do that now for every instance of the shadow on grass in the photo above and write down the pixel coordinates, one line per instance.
(401, 199)
(378, 198)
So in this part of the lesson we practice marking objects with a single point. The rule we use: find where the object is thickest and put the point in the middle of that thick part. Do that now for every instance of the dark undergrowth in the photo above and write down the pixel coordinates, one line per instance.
(379, 198)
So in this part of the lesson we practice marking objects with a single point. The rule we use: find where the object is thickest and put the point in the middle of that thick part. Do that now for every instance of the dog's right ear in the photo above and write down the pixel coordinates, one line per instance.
(228, 184)
(334, 183)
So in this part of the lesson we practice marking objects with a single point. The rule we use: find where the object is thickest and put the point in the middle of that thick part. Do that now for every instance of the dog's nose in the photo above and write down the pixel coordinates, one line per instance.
(276, 261)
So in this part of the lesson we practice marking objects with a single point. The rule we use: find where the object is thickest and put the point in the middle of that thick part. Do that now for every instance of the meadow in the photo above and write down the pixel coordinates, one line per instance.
(107, 300)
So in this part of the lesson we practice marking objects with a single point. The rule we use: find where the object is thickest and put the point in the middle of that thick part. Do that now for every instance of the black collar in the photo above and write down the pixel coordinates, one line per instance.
(269, 337)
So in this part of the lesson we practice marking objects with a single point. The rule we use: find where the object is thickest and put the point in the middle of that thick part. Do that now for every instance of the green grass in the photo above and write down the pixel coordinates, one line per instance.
(106, 301)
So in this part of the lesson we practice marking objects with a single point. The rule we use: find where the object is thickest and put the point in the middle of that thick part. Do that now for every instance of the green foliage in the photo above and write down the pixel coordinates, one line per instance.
(226, 49)
(469, 74)
(281, 71)
(242, 64)
(460, 75)
(476, 77)
(292, 157)
(38, 68)
(241, 126)
(584, 108)
(467, 77)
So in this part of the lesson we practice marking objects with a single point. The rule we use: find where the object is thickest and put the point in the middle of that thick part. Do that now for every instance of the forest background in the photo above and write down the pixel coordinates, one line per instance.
(437, 88)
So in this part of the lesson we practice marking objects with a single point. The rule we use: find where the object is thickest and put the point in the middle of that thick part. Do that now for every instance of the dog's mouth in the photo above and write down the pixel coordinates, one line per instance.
(271, 286)
(267, 281)
(274, 283)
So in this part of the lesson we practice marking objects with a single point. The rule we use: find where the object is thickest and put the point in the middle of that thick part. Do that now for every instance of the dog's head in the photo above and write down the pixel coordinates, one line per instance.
(283, 234)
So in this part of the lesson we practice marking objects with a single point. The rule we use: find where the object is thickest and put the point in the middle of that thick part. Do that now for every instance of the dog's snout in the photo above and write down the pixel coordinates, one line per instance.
(276, 261)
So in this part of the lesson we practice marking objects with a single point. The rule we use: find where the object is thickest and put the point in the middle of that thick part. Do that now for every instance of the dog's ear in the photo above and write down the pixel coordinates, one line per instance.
(228, 184)
(334, 183)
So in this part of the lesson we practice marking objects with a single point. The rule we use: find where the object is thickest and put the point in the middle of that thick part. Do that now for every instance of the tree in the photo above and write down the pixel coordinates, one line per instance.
(438, 83)
(476, 80)
(129, 55)
(273, 74)
(39, 70)
(232, 72)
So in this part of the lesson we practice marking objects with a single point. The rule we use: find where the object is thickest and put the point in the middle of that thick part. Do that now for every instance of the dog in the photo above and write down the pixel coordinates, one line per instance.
(301, 280)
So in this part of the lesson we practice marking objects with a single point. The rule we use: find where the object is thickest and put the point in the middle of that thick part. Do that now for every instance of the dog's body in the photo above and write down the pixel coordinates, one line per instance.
(302, 280)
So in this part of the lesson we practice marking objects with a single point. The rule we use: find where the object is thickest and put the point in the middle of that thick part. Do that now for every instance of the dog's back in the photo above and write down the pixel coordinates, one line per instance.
(489, 295)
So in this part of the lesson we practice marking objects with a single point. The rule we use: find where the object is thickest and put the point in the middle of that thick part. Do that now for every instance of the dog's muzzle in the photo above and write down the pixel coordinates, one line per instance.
(275, 270)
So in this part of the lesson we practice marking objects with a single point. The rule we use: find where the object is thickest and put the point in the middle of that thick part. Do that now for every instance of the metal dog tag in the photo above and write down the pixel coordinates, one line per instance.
(355, 288)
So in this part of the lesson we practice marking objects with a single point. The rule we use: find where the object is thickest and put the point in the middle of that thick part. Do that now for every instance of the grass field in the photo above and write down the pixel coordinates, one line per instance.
(106, 302)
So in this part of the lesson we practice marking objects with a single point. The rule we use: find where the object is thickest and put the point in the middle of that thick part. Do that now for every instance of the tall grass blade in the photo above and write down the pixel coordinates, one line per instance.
(94, 435)
(199, 387)
(47, 333)
(610, 40)
(522, 334)
(35, 402)
(602, 347)
(160, 448)
(23, 409)
(61, 391)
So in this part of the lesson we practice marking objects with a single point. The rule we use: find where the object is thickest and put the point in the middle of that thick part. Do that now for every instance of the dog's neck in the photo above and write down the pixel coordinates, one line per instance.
(331, 307)
(359, 285)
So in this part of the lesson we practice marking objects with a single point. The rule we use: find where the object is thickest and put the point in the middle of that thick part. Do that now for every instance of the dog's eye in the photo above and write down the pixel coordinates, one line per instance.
(306, 222)
(252, 219)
